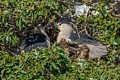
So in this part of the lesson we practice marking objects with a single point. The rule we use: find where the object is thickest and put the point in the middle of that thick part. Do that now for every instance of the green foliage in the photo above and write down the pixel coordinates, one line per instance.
(54, 64)
(91, 70)
(19, 17)
(104, 26)
(34, 65)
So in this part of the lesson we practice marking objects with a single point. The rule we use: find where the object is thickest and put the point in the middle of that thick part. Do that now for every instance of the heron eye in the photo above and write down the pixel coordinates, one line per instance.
(59, 24)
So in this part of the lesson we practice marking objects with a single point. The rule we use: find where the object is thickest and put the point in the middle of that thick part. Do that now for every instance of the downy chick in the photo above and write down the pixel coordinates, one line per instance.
(74, 50)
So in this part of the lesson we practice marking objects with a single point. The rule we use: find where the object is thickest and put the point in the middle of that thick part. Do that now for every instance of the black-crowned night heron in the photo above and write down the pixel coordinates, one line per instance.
(66, 32)
(66, 27)
(36, 41)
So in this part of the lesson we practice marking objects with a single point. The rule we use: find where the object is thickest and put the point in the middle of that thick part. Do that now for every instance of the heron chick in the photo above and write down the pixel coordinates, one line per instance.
(74, 50)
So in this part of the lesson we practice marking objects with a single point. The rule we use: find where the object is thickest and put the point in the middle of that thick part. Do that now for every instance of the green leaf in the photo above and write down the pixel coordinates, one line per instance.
(10, 15)
(55, 67)
(19, 23)
(65, 56)
(9, 65)
(7, 38)
(23, 72)
(2, 73)
(118, 40)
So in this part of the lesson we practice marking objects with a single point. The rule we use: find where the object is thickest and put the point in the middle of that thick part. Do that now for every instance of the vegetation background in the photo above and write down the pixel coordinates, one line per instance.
(18, 19)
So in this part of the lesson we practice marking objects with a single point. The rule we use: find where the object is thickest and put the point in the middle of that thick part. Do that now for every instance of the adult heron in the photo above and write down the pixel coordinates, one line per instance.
(39, 39)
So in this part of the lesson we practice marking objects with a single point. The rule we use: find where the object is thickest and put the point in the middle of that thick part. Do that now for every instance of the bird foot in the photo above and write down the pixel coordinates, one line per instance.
(68, 40)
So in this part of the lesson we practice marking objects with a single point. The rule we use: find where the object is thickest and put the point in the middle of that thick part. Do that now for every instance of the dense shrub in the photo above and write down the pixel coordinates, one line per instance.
(54, 64)
(105, 26)
(19, 17)
(35, 65)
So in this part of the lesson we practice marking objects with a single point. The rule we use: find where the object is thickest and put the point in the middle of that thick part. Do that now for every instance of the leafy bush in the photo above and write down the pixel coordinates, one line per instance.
(91, 70)
(104, 26)
(35, 65)
(19, 17)
(54, 64)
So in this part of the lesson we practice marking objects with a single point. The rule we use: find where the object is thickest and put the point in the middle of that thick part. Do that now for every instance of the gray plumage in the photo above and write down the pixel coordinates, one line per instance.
(36, 41)
(66, 32)
(84, 39)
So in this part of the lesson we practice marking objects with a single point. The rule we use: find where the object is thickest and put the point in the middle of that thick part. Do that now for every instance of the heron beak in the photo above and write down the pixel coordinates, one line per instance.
(58, 25)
